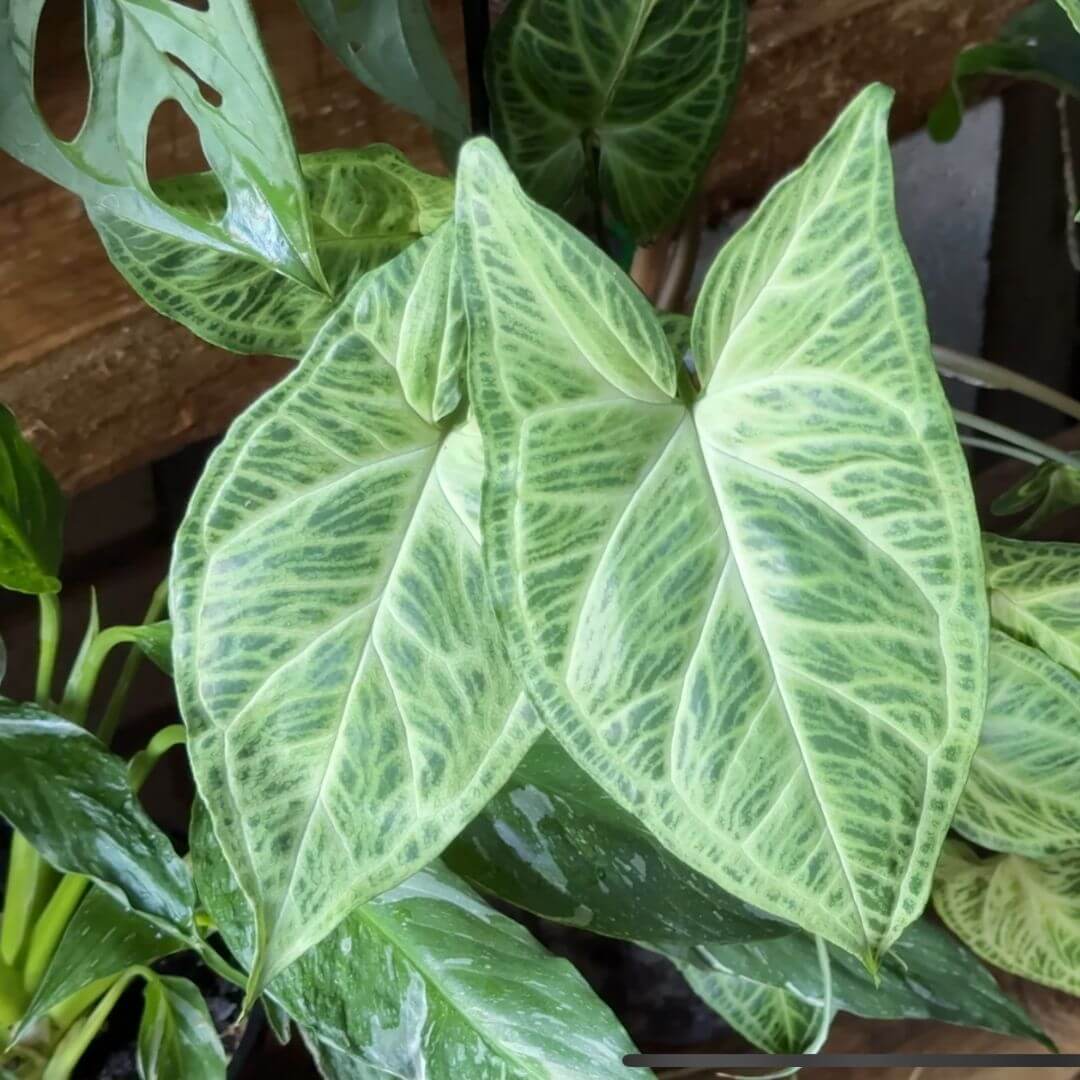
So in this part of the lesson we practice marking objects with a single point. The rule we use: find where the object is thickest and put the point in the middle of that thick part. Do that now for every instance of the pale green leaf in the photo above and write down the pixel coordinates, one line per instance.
(631, 95)
(1021, 795)
(1072, 9)
(139, 54)
(429, 981)
(1046, 492)
(1017, 913)
(392, 47)
(177, 1037)
(31, 515)
(366, 206)
(1035, 595)
(348, 698)
(759, 623)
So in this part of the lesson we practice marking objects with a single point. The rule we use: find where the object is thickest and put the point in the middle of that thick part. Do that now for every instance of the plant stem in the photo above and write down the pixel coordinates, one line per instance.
(672, 293)
(12, 1000)
(50, 927)
(49, 640)
(1006, 434)
(141, 765)
(19, 896)
(70, 1009)
(1004, 449)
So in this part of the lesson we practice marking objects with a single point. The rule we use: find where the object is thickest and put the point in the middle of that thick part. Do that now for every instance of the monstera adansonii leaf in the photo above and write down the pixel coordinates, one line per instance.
(349, 702)
(628, 96)
(757, 620)
(140, 53)
(366, 206)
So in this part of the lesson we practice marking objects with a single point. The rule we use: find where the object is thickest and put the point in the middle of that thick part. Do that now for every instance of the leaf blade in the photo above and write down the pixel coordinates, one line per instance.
(177, 1038)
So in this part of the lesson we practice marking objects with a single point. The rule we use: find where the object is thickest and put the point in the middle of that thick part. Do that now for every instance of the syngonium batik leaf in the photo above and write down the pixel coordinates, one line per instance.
(143, 52)
(366, 206)
(1020, 914)
(758, 622)
(405, 986)
(630, 95)
(1021, 792)
(1035, 595)
(348, 699)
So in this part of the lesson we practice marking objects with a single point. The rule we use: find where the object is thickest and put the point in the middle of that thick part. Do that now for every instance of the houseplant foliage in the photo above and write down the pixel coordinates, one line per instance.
(675, 628)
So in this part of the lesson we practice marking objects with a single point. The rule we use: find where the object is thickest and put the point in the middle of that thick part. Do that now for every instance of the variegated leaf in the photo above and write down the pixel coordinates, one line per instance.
(629, 95)
(758, 622)
(1017, 913)
(348, 698)
(1021, 795)
(366, 206)
(1050, 489)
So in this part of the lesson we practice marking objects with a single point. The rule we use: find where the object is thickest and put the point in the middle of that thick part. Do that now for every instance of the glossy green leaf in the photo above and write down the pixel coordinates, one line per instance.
(759, 623)
(102, 940)
(552, 842)
(31, 515)
(348, 698)
(1046, 492)
(1035, 595)
(139, 54)
(154, 640)
(1016, 913)
(366, 206)
(1021, 795)
(1036, 43)
(336, 1064)
(70, 797)
(631, 96)
(392, 47)
(177, 1037)
(407, 982)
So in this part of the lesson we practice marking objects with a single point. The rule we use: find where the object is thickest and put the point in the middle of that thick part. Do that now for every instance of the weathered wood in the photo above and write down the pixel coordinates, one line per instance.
(103, 385)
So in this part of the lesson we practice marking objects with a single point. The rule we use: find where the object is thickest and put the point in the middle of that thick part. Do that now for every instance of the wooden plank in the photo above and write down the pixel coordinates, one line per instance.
(103, 385)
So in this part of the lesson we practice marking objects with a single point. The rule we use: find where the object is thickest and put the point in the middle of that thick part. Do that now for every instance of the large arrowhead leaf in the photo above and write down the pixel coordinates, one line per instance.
(759, 622)
(644, 86)
(348, 698)
(406, 985)
(1035, 595)
(366, 206)
(552, 842)
(31, 515)
(177, 1037)
(1022, 915)
(1021, 792)
(139, 54)
(71, 799)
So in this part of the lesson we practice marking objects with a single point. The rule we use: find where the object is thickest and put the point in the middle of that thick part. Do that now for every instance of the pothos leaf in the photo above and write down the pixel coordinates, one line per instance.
(1051, 488)
(177, 1037)
(348, 698)
(1017, 913)
(393, 48)
(405, 986)
(1035, 595)
(140, 53)
(1021, 792)
(31, 515)
(366, 206)
(630, 96)
(759, 623)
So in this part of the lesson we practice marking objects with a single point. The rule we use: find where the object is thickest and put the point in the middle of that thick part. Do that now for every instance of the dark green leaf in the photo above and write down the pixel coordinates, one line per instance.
(1047, 491)
(366, 206)
(31, 515)
(177, 1037)
(71, 799)
(155, 642)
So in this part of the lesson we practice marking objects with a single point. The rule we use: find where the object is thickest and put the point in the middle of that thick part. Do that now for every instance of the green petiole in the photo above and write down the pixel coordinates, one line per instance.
(50, 927)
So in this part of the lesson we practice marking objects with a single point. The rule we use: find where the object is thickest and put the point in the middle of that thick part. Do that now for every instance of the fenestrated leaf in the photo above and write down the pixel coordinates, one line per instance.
(71, 799)
(103, 939)
(1017, 913)
(552, 842)
(644, 86)
(348, 698)
(31, 515)
(366, 206)
(1021, 795)
(139, 54)
(177, 1037)
(393, 48)
(407, 982)
(759, 623)
(1051, 488)
(1035, 595)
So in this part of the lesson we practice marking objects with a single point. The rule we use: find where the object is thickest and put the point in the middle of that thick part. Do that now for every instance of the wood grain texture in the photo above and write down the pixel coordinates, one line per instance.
(103, 385)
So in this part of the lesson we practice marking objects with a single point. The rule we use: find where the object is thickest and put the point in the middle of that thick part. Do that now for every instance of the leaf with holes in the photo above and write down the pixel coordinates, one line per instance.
(139, 54)
(1035, 595)
(1019, 914)
(758, 622)
(630, 97)
(366, 206)
(177, 1036)
(348, 699)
